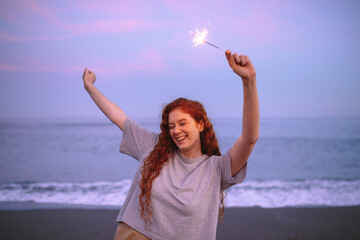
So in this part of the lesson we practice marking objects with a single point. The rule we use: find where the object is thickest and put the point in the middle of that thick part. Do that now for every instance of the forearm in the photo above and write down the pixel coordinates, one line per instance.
(112, 111)
(251, 115)
(244, 145)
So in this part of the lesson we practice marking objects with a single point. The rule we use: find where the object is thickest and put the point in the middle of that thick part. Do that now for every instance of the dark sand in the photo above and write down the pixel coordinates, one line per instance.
(239, 223)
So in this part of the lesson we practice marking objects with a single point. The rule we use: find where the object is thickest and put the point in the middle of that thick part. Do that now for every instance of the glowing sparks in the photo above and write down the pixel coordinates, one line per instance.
(200, 36)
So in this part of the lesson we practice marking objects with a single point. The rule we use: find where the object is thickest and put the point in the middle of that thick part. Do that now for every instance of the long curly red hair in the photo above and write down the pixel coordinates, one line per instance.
(165, 147)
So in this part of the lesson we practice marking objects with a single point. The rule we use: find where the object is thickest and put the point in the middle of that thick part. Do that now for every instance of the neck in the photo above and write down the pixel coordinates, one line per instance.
(191, 153)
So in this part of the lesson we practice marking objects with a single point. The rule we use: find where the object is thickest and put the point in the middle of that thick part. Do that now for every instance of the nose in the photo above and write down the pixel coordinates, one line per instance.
(176, 129)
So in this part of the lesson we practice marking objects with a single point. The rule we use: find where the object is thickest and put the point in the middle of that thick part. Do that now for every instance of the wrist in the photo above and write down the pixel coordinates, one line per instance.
(250, 81)
(88, 86)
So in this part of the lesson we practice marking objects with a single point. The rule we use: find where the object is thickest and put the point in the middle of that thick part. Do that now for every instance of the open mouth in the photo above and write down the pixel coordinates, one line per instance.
(180, 139)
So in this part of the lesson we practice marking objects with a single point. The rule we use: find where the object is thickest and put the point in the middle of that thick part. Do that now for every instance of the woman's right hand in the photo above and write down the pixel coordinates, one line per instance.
(88, 77)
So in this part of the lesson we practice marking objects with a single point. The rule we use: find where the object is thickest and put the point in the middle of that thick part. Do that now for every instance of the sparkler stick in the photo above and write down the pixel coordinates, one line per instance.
(213, 45)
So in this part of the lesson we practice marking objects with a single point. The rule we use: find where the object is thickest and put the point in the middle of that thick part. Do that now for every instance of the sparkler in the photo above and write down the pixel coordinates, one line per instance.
(200, 38)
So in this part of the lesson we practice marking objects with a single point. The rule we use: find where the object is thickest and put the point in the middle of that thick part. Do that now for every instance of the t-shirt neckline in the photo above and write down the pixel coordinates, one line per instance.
(189, 161)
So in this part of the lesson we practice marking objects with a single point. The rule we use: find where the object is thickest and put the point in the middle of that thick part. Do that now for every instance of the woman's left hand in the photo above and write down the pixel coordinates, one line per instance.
(241, 65)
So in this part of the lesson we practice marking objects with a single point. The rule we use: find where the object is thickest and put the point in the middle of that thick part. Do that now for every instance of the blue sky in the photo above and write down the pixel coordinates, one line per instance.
(306, 53)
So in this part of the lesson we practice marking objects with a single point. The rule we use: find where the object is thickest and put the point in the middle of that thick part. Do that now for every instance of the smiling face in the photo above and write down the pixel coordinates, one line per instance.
(185, 132)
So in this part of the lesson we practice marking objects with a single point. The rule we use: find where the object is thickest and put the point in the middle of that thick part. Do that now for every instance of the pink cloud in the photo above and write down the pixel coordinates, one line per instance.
(8, 16)
(39, 67)
(30, 11)
(11, 38)
(202, 58)
(149, 62)
(155, 61)
(60, 29)
(184, 6)
(10, 67)
(132, 8)
(258, 27)
(110, 26)
(196, 62)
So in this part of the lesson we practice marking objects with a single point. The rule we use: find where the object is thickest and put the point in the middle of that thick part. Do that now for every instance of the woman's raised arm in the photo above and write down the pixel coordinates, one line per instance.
(113, 112)
(244, 145)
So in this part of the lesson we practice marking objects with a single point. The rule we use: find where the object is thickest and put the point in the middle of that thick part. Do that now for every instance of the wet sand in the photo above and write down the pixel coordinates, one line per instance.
(239, 223)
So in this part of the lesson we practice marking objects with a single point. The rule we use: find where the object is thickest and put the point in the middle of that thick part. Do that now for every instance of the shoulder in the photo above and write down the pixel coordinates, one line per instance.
(137, 140)
(218, 159)
(220, 163)
(131, 126)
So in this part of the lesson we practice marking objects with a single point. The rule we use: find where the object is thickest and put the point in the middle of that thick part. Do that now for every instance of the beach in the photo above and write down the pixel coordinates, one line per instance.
(67, 180)
(239, 223)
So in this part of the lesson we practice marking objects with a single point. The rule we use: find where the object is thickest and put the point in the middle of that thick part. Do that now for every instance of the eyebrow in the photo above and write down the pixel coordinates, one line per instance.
(183, 119)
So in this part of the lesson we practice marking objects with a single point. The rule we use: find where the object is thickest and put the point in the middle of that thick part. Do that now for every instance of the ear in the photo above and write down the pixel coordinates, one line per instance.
(201, 125)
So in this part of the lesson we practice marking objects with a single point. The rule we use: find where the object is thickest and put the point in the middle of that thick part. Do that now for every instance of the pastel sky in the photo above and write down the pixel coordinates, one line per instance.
(306, 54)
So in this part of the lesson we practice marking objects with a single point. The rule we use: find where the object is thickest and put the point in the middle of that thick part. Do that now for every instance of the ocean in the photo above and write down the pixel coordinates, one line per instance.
(296, 162)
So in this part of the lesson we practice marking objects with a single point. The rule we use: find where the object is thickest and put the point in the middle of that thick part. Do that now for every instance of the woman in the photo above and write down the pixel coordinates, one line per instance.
(178, 187)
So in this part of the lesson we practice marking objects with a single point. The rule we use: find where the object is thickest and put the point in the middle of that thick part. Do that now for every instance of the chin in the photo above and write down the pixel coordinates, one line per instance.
(182, 148)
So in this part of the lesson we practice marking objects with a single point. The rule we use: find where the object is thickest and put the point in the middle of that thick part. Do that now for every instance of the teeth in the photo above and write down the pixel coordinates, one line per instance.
(180, 138)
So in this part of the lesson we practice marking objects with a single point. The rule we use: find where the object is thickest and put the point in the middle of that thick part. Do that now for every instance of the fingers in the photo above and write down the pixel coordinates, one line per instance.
(236, 59)
(84, 73)
(87, 71)
(241, 59)
(230, 59)
(248, 60)
(228, 54)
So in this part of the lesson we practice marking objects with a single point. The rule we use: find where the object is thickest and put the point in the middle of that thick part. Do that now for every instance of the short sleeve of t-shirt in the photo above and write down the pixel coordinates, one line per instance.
(227, 180)
(136, 140)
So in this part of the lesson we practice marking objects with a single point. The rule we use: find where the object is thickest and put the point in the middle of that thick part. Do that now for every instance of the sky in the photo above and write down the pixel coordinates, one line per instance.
(306, 55)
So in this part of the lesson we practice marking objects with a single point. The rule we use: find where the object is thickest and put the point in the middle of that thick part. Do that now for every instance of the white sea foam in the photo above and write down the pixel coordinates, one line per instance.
(272, 194)
(268, 194)
(94, 193)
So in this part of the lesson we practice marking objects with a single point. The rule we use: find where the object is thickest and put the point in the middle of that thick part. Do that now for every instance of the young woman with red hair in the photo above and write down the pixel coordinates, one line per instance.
(178, 187)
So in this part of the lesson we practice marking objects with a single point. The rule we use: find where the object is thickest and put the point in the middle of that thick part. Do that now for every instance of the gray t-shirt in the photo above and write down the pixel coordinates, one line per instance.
(185, 196)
